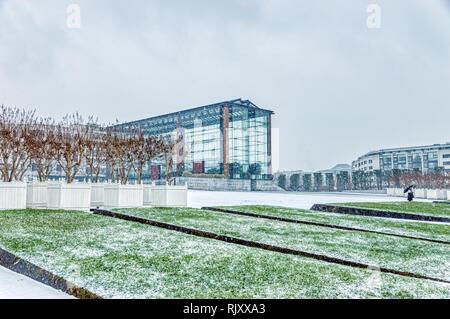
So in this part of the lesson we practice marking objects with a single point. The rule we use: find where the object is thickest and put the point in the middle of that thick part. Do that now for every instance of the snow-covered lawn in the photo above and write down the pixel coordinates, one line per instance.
(414, 256)
(287, 199)
(16, 286)
(121, 259)
(430, 230)
(430, 209)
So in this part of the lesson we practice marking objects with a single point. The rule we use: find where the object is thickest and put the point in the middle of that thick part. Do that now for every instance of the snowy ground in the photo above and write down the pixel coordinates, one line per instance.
(198, 199)
(16, 286)
(13, 285)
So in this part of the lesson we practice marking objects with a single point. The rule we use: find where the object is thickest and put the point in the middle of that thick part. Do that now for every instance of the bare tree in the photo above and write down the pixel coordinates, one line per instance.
(70, 145)
(145, 148)
(109, 151)
(173, 150)
(42, 147)
(95, 149)
(119, 153)
(15, 125)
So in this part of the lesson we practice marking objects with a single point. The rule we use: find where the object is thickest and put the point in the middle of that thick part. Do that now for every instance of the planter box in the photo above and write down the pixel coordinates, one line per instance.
(439, 194)
(13, 195)
(148, 194)
(74, 196)
(97, 195)
(420, 193)
(399, 192)
(169, 196)
(123, 196)
(431, 194)
(37, 195)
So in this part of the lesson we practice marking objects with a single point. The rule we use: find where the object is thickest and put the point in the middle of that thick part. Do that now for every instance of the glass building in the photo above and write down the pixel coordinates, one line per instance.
(230, 138)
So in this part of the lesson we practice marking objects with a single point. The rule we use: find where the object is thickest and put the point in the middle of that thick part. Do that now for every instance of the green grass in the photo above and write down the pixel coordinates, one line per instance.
(421, 208)
(120, 259)
(425, 258)
(402, 227)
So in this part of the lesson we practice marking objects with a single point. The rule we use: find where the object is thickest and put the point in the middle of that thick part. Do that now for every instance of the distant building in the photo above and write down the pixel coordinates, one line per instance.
(338, 169)
(423, 158)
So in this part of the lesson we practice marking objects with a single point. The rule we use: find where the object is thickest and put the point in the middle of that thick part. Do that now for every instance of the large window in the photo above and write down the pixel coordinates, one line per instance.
(386, 162)
(417, 161)
(203, 143)
(248, 135)
(432, 160)
(401, 161)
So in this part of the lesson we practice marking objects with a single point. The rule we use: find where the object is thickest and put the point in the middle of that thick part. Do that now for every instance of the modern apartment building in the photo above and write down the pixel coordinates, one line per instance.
(425, 158)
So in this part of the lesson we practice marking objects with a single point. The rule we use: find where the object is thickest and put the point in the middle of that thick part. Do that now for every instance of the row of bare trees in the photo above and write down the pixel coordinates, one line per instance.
(434, 180)
(72, 143)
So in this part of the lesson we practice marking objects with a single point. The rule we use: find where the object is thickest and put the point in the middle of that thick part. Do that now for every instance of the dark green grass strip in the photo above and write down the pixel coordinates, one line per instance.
(376, 213)
(297, 221)
(441, 202)
(24, 267)
(248, 243)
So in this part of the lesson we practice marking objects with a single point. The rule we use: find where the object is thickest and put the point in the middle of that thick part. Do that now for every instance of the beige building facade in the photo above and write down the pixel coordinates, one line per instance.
(425, 158)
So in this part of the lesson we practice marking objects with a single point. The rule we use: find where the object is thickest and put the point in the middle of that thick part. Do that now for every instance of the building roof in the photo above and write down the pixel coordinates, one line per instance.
(338, 168)
(236, 102)
(408, 148)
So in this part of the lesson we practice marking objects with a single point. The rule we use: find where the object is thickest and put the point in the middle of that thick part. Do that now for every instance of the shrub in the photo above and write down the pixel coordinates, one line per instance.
(295, 182)
(282, 181)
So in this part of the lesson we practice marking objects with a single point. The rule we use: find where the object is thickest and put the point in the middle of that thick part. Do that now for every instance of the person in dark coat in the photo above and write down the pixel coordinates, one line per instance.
(410, 195)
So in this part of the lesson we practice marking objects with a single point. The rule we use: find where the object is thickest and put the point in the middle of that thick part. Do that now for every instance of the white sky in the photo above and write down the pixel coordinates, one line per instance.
(338, 88)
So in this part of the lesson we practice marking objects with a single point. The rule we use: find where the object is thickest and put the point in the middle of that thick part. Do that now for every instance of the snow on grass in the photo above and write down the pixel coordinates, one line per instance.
(420, 257)
(121, 259)
(429, 230)
(430, 209)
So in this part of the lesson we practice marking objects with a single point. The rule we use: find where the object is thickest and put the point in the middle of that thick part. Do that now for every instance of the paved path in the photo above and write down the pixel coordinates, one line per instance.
(287, 199)
(16, 286)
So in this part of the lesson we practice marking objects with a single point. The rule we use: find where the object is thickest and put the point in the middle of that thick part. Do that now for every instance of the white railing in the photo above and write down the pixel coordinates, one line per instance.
(37, 195)
(13, 195)
(83, 196)
(73, 196)
(123, 196)
(170, 196)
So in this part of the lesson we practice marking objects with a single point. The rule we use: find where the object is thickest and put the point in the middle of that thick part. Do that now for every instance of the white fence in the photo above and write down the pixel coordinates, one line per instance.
(433, 194)
(123, 196)
(83, 196)
(148, 194)
(421, 193)
(97, 195)
(438, 194)
(13, 195)
(74, 196)
(169, 196)
(37, 195)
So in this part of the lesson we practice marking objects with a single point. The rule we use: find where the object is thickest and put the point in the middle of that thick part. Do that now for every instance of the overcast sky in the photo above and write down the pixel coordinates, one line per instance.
(338, 88)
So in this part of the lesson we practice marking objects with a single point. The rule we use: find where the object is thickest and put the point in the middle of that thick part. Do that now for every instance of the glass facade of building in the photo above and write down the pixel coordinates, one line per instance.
(229, 138)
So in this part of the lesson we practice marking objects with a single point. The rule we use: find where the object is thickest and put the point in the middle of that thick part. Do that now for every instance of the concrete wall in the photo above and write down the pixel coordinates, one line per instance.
(223, 184)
